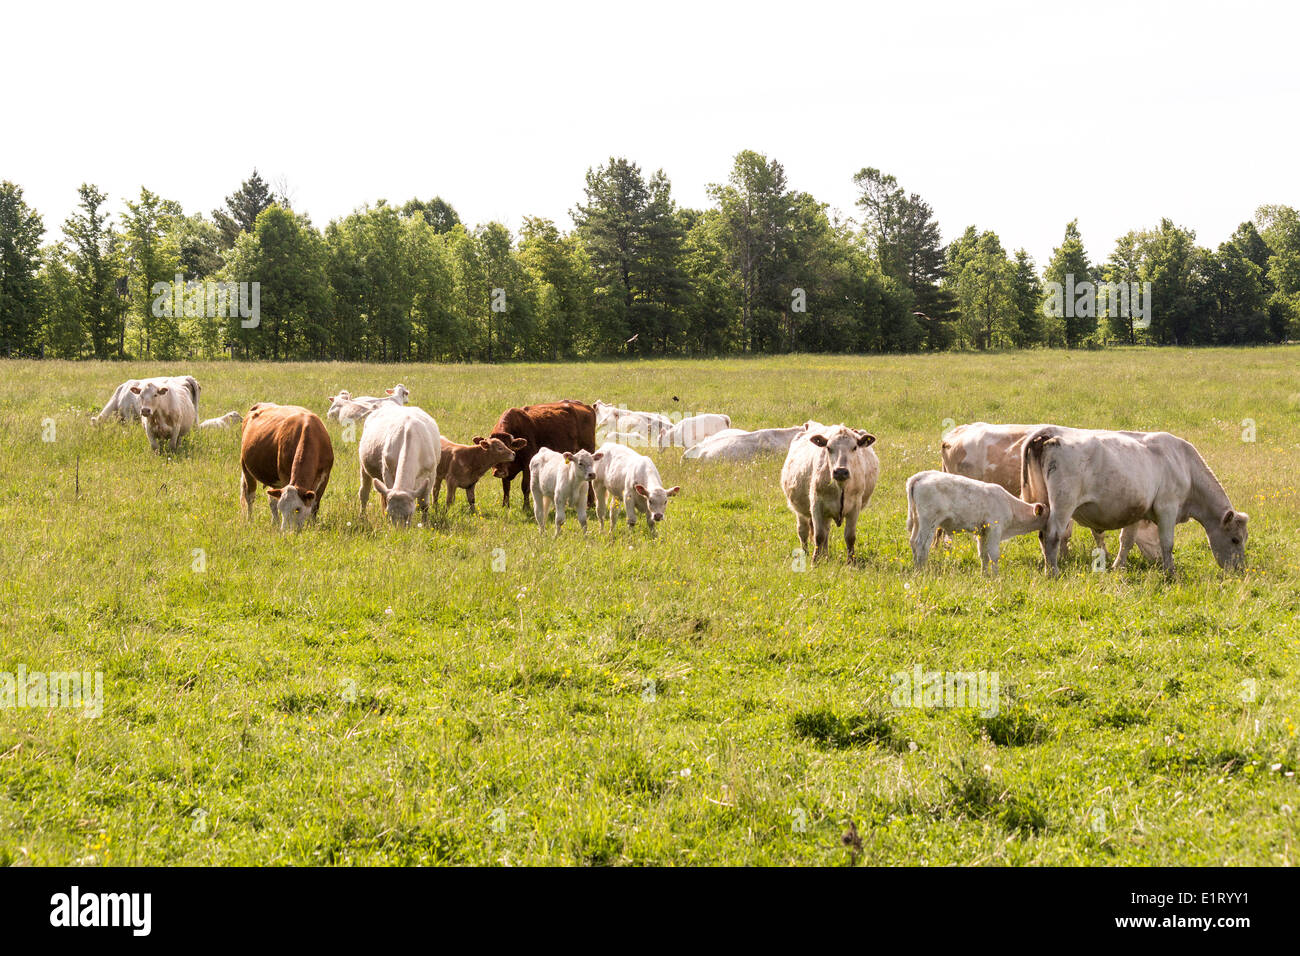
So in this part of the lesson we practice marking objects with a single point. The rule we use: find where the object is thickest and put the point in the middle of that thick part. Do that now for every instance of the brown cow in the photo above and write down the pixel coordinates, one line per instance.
(286, 448)
(461, 466)
(561, 426)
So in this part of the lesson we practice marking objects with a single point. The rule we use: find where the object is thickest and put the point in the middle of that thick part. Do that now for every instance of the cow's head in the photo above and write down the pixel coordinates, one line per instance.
(657, 500)
(337, 402)
(149, 394)
(841, 445)
(1228, 539)
(399, 393)
(583, 463)
(400, 505)
(605, 412)
(502, 469)
(293, 505)
(498, 451)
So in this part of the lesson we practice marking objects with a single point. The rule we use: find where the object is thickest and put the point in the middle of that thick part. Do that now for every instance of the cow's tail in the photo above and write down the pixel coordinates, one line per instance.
(193, 385)
(1033, 479)
(911, 509)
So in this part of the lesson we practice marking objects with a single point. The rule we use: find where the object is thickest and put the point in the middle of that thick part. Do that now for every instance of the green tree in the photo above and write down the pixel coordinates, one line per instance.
(253, 197)
(1067, 270)
(92, 256)
(21, 229)
(153, 256)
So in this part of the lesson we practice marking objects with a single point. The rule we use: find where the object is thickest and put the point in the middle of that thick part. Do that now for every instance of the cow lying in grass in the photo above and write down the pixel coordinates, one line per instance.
(938, 501)
(225, 421)
(560, 480)
(345, 408)
(630, 477)
(461, 466)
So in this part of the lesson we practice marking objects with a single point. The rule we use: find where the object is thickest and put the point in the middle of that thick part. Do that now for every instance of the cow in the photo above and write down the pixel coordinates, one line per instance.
(288, 449)
(617, 418)
(992, 453)
(561, 479)
(345, 408)
(166, 412)
(225, 421)
(689, 432)
(632, 478)
(398, 452)
(125, 404)
(941, 500)
(560, 426)
(631, 439)
(1108, 480)
(733, 444)
(461, 466)
(829, 475)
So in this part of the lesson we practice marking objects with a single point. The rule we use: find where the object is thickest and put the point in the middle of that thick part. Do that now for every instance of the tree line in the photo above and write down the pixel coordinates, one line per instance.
(765, 269)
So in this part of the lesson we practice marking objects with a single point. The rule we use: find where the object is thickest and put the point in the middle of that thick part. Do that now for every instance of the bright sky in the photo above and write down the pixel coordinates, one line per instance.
(1013, 116)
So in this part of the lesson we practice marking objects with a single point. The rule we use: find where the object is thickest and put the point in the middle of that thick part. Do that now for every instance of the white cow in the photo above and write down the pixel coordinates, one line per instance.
(345, 408)
(615, 418)
(632, 478)
(937, 500)
(225, 421)
(689, 432)
(829, 475)
(167, 413)
(559, 479)
(125, 403)
(733, 444)
(399, 451)
(1107, 480)
(631, 439)
(992, 453)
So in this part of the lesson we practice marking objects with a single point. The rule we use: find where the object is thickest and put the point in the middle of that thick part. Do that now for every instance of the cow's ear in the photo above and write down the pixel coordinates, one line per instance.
(598, 456)
(568, 456)
(518, 443)
(866, 440)
(640, 490)
(476, 440)
(1039, 509)
(1227, 518)
(818, 440)
(135, 389)
(672, 492)
(388, 391)
(380, 487)
(163, 390)
(274, 493)
(308, 496)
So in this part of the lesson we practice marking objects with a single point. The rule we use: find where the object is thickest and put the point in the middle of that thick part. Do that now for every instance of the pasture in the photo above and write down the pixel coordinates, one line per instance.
(476, 693)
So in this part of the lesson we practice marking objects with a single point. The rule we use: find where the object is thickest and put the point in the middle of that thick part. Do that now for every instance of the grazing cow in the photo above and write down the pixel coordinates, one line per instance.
(1107, 480)
(167, 413)
(560, 426)
(399, 451)
(125, 403)
(616, 418)
(461, 466)
(286, 448)
(937, 500)
(561, 479)
(733, 444)
(225, 421)
(829, 475)
(632, 478)
(689, 432)
(992, 453)
(344, 408)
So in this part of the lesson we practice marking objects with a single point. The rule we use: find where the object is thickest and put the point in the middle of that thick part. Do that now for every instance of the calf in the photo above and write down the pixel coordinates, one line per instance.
(225, 421)
(167, 413)
(125, 403)
(560, 479)
(399, 452)
(630, 477)
(288, 449)
(689, 432)
(461, 466)
(560, 426)
(829, 475)
(938, 500)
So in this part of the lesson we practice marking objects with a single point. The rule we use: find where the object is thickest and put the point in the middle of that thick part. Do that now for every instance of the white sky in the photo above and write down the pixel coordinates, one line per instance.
(1012, 116)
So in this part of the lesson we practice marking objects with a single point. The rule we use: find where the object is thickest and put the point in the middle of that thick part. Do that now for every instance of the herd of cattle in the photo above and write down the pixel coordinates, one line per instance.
(997, 481)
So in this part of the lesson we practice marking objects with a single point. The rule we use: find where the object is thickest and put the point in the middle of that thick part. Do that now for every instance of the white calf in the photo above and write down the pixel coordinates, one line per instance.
(559, 480)
(938, 500)
(225, 421)
(628, 476)
(689, 432)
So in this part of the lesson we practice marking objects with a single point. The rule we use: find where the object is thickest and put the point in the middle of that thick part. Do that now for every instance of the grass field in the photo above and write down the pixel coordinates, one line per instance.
(359, 695)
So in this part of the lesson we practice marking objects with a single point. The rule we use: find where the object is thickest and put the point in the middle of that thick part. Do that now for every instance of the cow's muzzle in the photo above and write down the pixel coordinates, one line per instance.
(840, 474)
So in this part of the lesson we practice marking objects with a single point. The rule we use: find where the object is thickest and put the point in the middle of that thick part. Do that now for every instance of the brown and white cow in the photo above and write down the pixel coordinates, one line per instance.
(993, 453)
(288, 449)
(1108, 480)
(560, 426)
(461, 466)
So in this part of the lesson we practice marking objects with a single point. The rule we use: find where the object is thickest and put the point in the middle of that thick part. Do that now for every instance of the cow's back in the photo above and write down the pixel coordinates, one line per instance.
(285, 444)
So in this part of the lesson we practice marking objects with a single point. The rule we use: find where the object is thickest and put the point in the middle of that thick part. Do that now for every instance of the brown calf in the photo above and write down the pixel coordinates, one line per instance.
(286, 448)
(461, 466)
(560, 426)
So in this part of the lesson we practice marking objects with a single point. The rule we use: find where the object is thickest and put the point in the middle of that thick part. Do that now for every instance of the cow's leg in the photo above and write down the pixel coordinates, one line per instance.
(424, 504)
(469, 495)
(922, 540)
(1051, 538)
(602, 507)
(990, 543)
(560, 510)
(364, 493)
(539, 512)
(1065, 542)
(851, 533)
(804, 526)
(437, 491)
(629, 509)
(581, 503)
(1099, 541)
(247, 492)
(1127, 536)
(320, 493)
(1167, 522)
(525, 479)
(821, 534)
(505, 492)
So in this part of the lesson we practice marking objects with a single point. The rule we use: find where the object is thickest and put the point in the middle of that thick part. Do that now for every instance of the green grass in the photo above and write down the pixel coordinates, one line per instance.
(357, 694)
